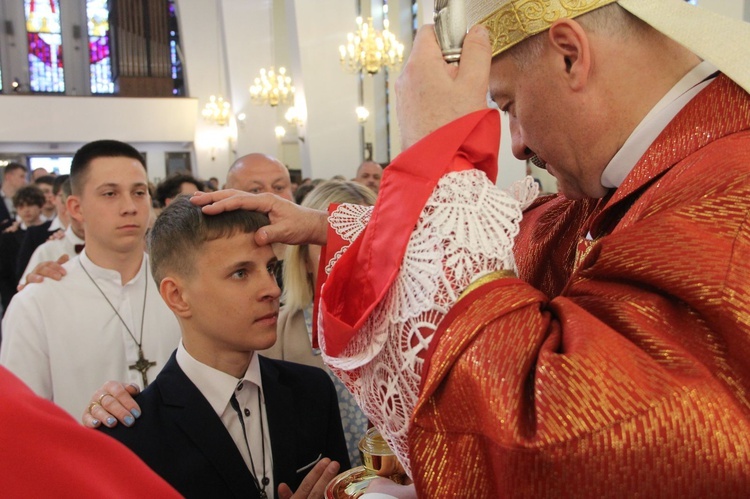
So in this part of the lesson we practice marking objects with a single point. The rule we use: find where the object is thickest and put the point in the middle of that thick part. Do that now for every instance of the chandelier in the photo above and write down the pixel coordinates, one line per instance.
(217, 111)
(293, 116)
(271, 88)
(370, 50)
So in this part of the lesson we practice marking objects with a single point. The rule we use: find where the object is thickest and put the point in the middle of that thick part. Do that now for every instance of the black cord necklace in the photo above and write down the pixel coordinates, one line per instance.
(265, 480)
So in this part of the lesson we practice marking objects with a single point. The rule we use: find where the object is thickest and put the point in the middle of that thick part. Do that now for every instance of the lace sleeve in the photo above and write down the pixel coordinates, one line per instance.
(464, 232)
(348, 221)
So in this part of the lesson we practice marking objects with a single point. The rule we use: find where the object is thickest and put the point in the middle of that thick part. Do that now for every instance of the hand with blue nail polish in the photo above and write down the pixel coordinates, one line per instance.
(111, 403)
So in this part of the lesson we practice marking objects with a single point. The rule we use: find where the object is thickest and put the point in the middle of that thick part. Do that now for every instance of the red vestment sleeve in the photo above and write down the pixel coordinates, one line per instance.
(45, 453)
(361, 277)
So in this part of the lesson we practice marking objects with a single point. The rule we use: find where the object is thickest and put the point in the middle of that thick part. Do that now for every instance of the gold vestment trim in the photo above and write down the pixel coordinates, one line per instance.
(500, 274)
(518, 20)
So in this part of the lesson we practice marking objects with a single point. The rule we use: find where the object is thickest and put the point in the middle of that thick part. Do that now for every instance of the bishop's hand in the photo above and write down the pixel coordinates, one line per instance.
(290, 223)
(431, 93)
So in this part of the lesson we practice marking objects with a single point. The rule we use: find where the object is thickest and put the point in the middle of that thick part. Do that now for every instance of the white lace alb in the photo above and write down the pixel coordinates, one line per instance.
(464, 232)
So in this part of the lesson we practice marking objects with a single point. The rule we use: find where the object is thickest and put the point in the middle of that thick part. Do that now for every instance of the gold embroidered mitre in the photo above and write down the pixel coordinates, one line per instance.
(512, 21)
(715, 38)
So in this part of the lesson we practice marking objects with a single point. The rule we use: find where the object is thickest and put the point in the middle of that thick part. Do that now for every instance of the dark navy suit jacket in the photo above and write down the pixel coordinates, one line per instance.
(182, 439)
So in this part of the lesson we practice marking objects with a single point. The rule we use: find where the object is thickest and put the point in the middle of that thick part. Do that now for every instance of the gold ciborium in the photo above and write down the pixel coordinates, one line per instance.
(378, 461)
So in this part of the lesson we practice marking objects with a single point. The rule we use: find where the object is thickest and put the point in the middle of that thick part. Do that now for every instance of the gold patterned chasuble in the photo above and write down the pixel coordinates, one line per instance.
(617, 367)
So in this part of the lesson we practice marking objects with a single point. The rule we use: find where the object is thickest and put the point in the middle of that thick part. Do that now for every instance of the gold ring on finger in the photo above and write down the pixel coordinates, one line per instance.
(92, 405)
(104, 395)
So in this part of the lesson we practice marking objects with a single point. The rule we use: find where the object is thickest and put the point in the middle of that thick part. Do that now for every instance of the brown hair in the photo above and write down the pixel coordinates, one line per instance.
(182, 228)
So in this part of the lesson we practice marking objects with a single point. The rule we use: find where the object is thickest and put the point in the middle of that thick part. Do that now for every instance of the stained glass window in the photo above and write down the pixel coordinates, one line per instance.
(45, 45)
(100, 62)
(174, 49)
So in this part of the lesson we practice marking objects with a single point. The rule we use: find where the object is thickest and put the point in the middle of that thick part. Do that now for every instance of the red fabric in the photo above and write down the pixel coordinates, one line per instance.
(361, 277)
(628, 375)
(45, 453)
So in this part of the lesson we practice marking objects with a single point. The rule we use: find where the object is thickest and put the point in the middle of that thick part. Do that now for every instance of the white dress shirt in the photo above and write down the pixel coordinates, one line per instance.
(64, 341)
(217, 387)
(52, 250)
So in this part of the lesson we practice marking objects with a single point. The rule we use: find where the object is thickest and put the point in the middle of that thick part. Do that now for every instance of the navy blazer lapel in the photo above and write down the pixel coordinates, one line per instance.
(281, 422)
(185, 404)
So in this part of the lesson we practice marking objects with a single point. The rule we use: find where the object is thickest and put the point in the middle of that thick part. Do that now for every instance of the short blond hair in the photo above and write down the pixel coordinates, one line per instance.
(298, 288)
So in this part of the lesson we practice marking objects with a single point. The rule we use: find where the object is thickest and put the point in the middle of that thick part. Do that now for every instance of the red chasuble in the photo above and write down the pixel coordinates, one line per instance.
(615, 365)
(45, 453)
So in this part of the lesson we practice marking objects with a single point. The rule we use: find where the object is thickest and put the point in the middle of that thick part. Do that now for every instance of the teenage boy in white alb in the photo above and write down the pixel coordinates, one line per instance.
(105, 320)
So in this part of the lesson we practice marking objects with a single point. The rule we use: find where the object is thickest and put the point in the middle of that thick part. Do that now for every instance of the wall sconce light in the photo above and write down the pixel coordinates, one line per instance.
(280, 132)
(362, 114)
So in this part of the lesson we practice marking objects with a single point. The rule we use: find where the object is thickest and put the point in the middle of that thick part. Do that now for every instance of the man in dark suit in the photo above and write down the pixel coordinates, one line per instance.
(27, 202)
(219, 420)
(14, 177)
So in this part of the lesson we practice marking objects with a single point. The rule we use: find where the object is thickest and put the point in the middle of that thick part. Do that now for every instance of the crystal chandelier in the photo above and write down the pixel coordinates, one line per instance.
(271, 88)
(293, 116)
(370, 50)
(217, 111)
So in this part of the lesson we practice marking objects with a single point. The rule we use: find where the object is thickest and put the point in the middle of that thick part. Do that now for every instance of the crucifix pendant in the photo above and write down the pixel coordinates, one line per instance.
(263, 494)
(142, 366)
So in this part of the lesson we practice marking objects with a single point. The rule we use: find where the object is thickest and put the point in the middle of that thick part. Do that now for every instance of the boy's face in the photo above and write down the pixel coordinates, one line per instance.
(29, 213)
(114, 205)
(49, 197)
(233, 299)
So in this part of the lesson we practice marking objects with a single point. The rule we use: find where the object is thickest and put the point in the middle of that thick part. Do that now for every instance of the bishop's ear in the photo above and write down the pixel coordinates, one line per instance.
(172, 292)
(570, 44)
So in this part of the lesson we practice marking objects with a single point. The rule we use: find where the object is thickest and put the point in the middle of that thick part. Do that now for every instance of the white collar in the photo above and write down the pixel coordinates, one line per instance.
(72, 237)
(217, 386)
(109, 275)
(55, 225)
(655, 122)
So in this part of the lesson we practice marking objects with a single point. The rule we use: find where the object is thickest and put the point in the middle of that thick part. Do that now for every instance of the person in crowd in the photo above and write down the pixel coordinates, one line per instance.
(47, 183)
(38, 173)
(294, 338)
(174, 185)
(49, 230)
(220, 420)
(14, 177)
(213, 182)
(105, 319)
(369, 174)
(302, 192)
(258, 173)
(69, 245)
(27, 203)
(596, 344)
(251, 173)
